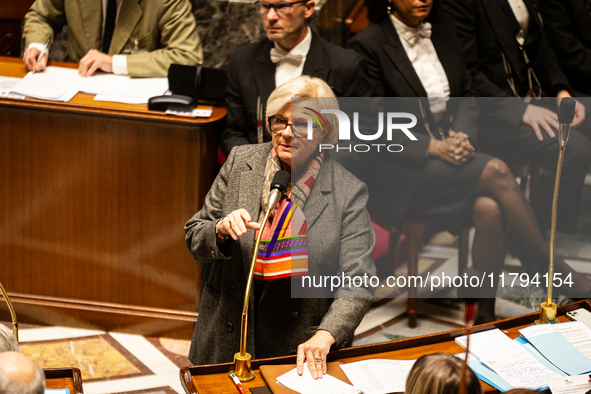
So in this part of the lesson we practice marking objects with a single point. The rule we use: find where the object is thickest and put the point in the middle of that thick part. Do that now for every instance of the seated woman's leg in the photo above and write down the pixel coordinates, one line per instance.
(498, 183)
(488, 250)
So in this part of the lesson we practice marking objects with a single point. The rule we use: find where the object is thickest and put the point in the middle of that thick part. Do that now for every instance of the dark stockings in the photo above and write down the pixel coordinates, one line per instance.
(499, 205)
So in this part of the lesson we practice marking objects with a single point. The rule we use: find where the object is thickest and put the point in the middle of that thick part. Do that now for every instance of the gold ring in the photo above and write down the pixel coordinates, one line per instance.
(231, 221)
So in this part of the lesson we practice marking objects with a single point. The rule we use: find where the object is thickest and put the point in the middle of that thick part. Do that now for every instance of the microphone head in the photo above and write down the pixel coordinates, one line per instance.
(566, 112)
(280, 180)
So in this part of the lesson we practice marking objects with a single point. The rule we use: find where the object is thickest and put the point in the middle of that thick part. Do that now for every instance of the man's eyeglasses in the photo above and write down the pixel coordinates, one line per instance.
(281, 7)
(299, 127)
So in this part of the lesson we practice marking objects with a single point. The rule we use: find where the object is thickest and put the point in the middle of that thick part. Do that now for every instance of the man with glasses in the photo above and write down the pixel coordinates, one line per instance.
(291, 49)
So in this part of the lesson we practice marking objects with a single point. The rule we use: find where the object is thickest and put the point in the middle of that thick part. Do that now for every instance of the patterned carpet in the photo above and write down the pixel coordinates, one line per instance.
(109, 362)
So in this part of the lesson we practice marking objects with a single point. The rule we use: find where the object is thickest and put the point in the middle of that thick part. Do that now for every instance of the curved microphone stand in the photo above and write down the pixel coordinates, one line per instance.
(242, 368)
(12, 313)
(566, 114)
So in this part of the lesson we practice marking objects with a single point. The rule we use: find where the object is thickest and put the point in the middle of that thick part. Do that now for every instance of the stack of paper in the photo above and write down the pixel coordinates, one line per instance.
(567, 345)
(124, 89)
(509, 361)
(55, 83)
(6, 86)
(62, 84)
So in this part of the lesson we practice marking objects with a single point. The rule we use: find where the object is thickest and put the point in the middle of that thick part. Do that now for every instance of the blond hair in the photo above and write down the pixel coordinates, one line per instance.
(304, 87)
(440, 373)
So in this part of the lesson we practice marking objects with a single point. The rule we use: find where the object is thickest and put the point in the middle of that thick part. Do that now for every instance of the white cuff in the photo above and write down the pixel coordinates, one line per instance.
(120, 64)
(37, 45)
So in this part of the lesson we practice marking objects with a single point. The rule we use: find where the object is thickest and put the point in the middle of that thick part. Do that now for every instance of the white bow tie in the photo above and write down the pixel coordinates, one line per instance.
(412, 35)
(277, 56)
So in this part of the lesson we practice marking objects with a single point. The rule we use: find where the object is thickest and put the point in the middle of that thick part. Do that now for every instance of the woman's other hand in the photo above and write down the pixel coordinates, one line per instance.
(455, 149)
(236, 224)
(314, 352)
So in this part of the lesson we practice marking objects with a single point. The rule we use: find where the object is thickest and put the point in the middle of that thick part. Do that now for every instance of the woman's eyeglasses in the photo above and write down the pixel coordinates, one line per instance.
(281, 7)
(299, 127)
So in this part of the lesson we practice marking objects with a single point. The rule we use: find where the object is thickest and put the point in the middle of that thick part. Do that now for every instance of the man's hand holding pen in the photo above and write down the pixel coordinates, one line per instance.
(36, 59)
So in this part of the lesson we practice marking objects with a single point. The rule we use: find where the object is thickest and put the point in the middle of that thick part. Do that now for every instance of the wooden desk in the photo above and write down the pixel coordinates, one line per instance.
(213, 379)
(64, 378)
(93, 200)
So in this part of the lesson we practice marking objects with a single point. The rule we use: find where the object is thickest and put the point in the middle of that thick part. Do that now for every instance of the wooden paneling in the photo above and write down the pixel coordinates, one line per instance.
(15, 9)
(12, 13)
(93, 200)
(356, 20)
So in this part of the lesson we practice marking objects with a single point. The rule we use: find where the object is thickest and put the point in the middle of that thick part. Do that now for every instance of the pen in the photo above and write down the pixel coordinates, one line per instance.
(43, 53)
(237, 383)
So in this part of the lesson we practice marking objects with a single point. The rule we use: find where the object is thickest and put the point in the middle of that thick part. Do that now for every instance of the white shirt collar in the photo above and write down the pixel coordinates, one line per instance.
(302, 48)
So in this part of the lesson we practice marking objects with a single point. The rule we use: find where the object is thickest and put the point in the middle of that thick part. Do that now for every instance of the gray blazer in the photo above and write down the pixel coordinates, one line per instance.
(340, 241)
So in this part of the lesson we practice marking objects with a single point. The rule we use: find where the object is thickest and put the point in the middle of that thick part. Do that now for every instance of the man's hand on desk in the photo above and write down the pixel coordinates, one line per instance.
(95, 60)
(30, 59)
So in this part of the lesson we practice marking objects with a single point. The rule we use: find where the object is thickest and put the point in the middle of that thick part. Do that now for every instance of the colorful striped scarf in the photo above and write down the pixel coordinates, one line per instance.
(283, 252)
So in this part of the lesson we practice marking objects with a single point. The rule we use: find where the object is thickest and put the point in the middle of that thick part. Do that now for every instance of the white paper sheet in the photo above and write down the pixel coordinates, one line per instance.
(54, 83)
(196, 113)
(305, 384)
(8, 83)
(124, 89)
(121, 99)
(379, 376)
(577, 384)
(578, 334)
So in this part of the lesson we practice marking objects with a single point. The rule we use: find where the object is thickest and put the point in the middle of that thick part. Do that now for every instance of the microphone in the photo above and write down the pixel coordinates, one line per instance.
(278, 187)
(566, 114)
(242, 365)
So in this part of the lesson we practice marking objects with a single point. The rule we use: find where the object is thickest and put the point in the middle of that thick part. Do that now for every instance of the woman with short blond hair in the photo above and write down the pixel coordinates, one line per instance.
(323, 215)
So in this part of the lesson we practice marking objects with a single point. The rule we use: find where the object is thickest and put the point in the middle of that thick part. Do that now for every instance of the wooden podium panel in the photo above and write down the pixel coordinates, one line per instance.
(213, 379)
(12, 13)
(93, 200)
(64, 378)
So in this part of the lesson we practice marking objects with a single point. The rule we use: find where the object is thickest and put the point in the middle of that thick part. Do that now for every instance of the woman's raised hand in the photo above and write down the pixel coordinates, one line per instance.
(236, 224)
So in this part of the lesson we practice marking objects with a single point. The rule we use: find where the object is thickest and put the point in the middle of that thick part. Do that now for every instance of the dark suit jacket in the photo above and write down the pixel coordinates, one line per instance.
(340, 240)
(252, 75)
(394, 76)
(568, 27)
(487, 29)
